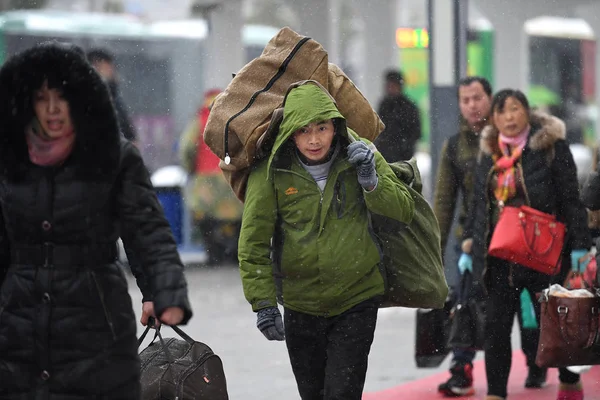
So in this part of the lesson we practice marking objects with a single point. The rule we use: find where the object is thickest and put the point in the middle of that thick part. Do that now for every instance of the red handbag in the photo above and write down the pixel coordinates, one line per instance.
(528, 237)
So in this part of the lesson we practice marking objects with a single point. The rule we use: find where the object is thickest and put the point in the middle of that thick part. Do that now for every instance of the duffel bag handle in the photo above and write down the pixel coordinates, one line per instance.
(152, 324)
(141, 339)
(163, 346)
(182, 334)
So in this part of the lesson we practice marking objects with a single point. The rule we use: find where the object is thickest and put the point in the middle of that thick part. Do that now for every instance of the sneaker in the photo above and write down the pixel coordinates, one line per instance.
(460, 382)
(536, 378)
(570, 392)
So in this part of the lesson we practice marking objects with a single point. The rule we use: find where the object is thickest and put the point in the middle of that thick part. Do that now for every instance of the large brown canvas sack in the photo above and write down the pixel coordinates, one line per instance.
(360, 116)
(243, 112)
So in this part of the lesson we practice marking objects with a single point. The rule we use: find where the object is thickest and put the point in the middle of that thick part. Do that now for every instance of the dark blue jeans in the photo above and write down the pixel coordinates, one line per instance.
(463, 356)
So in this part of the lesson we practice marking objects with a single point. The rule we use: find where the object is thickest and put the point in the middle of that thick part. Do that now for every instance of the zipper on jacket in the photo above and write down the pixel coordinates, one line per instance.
(520, 167)
(51, 189)
(511, 278)
(280, 72)
(319, 214)
(339, 193)
(106, 313)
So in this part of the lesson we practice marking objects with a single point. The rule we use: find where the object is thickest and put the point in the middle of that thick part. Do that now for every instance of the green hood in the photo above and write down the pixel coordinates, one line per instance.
(303, 105)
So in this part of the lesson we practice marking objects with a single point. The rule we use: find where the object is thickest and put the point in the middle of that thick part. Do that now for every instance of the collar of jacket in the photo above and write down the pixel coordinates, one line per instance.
(469, 134)
(549, 130)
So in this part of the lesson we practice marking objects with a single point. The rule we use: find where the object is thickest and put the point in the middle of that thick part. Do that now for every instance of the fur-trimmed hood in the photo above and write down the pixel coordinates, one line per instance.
(545, 131)
(96, 153)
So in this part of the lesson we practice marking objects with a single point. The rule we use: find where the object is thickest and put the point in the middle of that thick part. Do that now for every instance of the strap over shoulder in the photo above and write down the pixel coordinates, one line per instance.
(408, 172)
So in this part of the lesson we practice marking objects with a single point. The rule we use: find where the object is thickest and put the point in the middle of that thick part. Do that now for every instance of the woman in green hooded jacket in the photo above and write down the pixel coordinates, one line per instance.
(306, 243)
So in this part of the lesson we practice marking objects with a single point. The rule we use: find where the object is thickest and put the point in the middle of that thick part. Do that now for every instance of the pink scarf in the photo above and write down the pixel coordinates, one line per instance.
(515, 142)
(47, 151)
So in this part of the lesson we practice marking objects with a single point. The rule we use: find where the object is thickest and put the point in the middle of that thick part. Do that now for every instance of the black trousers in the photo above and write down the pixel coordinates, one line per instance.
(329, 355)
(503, 301)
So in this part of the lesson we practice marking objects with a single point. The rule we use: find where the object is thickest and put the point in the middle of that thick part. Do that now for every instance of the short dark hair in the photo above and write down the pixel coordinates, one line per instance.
(394, 76)
(99, 55)
(487, 87)
(500, 99)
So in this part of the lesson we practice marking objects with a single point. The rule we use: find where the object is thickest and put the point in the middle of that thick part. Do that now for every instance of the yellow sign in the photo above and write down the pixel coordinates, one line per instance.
(409, 38)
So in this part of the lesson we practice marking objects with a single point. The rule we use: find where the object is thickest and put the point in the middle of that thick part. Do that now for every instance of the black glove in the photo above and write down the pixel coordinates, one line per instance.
(363, 159)
(269, 322)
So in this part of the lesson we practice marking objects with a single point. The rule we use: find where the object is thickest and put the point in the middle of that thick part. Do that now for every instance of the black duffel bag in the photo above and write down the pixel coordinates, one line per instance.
(176, 369)
(432, 329)
(467, 318)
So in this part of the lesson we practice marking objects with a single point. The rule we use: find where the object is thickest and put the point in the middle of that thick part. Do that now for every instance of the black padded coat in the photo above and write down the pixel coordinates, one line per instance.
(67, 326)
(550, 181)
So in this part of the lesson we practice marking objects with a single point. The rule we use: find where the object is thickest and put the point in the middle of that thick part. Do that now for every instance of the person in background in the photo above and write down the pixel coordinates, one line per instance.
(70, 186)
(401, 118)
(525, 160)
(103, 62)
(454, 183)
(216, 211)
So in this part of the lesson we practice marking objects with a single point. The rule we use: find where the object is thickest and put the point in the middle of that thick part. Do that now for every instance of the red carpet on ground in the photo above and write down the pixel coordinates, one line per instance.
(426, 388)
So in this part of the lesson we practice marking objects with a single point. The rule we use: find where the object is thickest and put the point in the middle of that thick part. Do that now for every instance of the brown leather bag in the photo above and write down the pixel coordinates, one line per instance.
(242, 113)
(569, 331)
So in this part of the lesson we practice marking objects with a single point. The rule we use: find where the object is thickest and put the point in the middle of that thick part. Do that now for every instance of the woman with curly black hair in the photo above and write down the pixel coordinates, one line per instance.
(70, 186)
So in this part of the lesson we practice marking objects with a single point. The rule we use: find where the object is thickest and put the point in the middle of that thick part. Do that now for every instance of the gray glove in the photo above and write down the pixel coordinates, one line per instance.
(269, 322)
(363, 159)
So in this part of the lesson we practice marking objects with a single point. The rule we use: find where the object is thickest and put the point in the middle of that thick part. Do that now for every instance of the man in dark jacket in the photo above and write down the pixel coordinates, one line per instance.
(455, 177)
(104, 63)
(402, 121)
